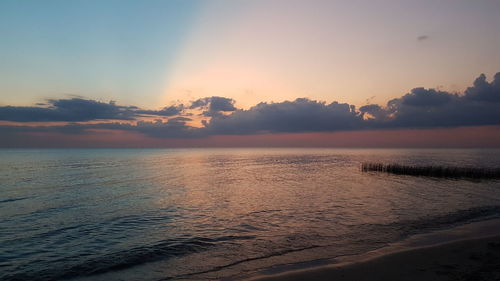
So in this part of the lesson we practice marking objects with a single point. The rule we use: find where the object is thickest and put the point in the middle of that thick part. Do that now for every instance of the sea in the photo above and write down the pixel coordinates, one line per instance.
(220, 214)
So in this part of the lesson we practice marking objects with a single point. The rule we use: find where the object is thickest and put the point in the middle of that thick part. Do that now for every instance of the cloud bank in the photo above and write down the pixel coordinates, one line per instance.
(479, 105)
(78, 110)
(428, 108)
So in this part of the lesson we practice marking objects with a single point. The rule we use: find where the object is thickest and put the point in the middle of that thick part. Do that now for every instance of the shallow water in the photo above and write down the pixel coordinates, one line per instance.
(198, 214)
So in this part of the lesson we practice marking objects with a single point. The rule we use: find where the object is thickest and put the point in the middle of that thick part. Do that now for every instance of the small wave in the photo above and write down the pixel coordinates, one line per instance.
(125, 259)
(13, 199)
(455, 218)
(275, 254)
(391, 232)
(372, 234)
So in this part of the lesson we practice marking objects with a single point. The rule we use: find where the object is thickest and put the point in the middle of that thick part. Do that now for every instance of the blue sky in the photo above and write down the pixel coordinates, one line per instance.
(104, 49)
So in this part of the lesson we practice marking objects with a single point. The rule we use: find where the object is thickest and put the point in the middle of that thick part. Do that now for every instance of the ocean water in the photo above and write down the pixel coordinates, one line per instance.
(202, 214)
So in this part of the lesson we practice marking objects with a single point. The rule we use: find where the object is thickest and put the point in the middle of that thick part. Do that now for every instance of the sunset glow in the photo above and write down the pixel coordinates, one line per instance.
(148, 65)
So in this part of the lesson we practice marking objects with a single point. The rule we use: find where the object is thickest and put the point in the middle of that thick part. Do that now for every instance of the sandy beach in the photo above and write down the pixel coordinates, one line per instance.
(469, 252)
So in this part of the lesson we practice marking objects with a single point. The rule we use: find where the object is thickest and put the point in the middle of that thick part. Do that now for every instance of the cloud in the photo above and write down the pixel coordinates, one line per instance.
(374, 111)
(421, 97)
(301, 115)
(428, 108)
(484, 91)
(70, 110)
(422, 38)
(172, 128)
(420, 108)
(78, 110)
(166, 111)
(479, 105)
(214, 106)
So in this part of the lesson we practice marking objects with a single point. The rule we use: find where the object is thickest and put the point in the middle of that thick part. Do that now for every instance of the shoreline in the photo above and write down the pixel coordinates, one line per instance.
(465, 252)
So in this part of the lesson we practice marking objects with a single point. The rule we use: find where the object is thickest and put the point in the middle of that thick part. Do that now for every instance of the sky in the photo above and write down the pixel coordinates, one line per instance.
(232, 72)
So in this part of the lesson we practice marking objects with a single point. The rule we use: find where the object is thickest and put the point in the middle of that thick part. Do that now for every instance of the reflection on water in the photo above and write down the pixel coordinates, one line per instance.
(215, 213)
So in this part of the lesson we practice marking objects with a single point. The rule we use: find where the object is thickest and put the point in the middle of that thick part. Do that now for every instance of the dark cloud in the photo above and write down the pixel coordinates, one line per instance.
(70, 110)
(421, 97)
(484, 91)
(221, 104)
(214, 106)
(301, 115)
(480, 105)
(420, 108)
(375, 111)
(166, 111)
(422, 38)
(172, 128)
(79, 110)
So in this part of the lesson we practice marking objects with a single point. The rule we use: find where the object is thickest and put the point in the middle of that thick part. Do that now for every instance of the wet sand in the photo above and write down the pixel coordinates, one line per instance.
(470, 252)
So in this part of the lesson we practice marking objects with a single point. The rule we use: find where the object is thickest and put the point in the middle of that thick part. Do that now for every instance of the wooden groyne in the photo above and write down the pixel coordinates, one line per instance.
(433, 171)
